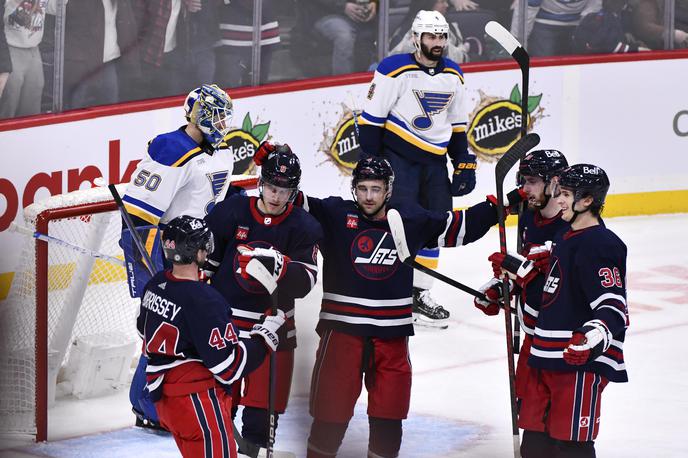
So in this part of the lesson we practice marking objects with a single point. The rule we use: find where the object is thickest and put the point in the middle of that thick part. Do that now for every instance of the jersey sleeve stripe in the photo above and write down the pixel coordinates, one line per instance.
(460, 127)
(412, 139)
(148, 208)
(187, 157)
(606, 297)
(367, 118)
(368, 302)
(454, 72)
(398, 71)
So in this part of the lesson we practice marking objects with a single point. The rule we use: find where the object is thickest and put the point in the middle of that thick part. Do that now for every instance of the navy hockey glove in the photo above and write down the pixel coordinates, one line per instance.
(463, 178)
(512, 200)
(516, 266)
(274, 261)
(267, 330)
(587, 343)
(263, 152)
(493, 291)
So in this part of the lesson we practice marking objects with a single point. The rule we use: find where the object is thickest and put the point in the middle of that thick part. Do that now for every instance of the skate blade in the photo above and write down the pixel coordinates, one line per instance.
(263, 453)
(425, 322)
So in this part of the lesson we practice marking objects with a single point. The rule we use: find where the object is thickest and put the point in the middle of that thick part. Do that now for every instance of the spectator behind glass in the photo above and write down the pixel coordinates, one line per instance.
(648, 23)
(198, 31)
(162, 61)
(100, 52)
(5, 61)
(550, 24)
(23, 22)
(349, 27)
(606, 31)
(402, 38)
(234, 55)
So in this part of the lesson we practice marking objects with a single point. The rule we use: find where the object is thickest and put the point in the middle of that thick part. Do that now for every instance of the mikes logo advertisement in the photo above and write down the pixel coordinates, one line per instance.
(340, 144)
(496, 123)
(244, 142)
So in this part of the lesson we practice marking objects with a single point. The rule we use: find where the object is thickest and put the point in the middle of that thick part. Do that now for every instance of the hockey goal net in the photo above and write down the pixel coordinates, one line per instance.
(61, 297)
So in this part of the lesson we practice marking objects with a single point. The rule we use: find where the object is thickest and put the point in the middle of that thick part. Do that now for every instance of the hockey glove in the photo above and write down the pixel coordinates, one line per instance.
(263, 152)
(516, 266)
(267, 330)
(493, 291)
(512, 200)
(274, 261)
(587, 343)
(540, 256)
(463, 178)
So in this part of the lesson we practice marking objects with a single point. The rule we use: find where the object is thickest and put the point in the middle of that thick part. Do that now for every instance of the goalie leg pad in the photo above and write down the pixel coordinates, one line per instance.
(137, 273)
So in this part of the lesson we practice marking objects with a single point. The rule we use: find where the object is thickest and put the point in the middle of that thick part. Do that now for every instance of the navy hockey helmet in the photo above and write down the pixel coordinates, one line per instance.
(586, 180)
(373, 168)
(183, 237)
(543, 163)
(281, 168)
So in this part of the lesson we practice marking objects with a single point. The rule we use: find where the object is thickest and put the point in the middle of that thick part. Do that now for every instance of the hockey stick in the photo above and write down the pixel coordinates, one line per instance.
(148, 262)
(520, 55)
(50, 239)
(396, 227)
(258, 271)
(505, 164)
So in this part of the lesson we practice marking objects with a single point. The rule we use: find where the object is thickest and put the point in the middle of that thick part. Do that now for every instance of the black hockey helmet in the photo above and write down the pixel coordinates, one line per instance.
(183, 237)
(543, 163)
(586, 180)
(281, 168)
(373, 168)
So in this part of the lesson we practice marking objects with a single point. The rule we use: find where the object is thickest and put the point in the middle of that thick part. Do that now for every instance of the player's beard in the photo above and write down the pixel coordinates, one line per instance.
(431, 53)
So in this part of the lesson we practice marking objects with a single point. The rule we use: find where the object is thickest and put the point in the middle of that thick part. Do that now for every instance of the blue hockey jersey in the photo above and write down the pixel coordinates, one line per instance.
(294, 233)
(587, 280)
(367, 291)
(184, 322)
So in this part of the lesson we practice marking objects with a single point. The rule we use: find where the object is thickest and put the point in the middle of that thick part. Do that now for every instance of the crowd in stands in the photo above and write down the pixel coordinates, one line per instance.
(121, 50)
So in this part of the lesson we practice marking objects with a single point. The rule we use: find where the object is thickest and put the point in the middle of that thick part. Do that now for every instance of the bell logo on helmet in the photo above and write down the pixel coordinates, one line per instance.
(591, 170)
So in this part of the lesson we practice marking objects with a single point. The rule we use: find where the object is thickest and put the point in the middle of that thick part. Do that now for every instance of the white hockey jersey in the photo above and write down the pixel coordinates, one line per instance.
(177, 177)
(419, 109)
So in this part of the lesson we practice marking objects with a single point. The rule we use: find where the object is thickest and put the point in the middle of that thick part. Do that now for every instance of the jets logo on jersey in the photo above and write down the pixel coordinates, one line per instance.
(374, 255)
(551, 289)
(431, 103)
(217, 183)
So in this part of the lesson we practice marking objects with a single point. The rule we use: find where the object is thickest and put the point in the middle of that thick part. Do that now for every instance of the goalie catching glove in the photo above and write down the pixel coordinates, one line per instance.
(493, 292)
(274, 261)
(587, 343)
(267, 330)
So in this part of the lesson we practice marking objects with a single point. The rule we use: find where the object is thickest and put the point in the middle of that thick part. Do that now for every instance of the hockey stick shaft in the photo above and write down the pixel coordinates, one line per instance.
(50, 239)
(132, 229)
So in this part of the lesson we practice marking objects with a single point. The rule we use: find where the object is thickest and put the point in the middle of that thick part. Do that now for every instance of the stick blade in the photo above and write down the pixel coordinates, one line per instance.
(515, 154)
(258, 271)
(396, 227)
(505, 39)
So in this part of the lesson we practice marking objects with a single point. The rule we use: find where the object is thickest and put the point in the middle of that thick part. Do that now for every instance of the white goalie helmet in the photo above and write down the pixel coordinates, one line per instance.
(429, 22)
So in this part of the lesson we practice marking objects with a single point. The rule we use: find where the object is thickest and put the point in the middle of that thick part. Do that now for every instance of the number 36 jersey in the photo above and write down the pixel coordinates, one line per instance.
(177, 177)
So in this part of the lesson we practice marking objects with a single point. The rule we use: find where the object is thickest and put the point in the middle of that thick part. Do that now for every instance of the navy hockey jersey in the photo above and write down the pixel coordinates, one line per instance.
(184, 322)
(294, 233)
(367, 291)
(587, 280)
(535, 230)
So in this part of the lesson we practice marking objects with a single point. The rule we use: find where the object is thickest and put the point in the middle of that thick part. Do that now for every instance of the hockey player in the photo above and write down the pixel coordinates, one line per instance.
(366, 311)
(192, 345)
(183, 172)
(577, 345)
(282, 237)
(415, 116)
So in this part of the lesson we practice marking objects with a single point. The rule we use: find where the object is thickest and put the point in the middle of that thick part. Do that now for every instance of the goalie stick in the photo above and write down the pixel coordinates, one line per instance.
(503, 166)
(396, 227)
(513, 47)
(14, 227)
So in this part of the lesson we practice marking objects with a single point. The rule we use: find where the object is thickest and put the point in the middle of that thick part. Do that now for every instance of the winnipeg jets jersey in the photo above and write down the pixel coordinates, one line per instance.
(414, 110)
(187, 323)
(586, 281)
(177, 177)
(238, 221)
(367, 290)
(535, 230)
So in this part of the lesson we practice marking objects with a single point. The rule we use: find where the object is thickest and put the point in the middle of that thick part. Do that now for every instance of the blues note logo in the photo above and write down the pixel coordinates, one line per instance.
(431, 103)
(217, 182)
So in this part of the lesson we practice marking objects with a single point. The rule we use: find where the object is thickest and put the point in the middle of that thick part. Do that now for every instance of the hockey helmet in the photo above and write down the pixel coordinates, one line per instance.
(586, 180)
(282, 168)
(373, 168)
(543, 163)
(183, 237)
(429, 22)
(210, 108)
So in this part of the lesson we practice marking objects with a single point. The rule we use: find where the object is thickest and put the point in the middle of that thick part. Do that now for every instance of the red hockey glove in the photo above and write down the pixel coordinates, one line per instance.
(512, 199)
(540, 256)
(267, 330)
(493, 291)
(587, 343)
(274, 261)
(263, 152)
(519, 268)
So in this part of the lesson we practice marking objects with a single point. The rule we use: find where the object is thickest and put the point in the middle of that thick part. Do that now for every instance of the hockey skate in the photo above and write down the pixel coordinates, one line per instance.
(426, 312)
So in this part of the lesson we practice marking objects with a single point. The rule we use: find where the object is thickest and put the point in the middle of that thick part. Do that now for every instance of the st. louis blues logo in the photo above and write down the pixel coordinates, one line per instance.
(217, 182)
(374, 255)
(431, 103)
